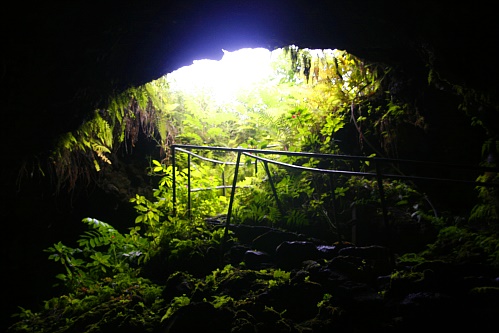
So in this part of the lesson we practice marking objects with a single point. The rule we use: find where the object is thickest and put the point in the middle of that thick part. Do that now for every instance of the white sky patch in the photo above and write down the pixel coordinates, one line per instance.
(222, 79)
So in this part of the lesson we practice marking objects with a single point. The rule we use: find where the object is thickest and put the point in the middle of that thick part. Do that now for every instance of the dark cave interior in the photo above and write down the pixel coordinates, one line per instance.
(62, 60)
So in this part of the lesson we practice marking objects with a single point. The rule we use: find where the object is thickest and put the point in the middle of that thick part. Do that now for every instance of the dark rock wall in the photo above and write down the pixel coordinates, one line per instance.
(62, 59)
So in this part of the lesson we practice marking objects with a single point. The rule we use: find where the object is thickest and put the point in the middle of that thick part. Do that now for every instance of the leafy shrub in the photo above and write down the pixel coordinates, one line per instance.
(462, 245)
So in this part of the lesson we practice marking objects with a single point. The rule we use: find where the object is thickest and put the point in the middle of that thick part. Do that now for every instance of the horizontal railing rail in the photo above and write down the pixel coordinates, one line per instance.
(377, 173)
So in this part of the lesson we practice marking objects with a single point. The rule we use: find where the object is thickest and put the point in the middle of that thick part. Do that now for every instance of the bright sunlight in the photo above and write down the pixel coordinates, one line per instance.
(236, 71)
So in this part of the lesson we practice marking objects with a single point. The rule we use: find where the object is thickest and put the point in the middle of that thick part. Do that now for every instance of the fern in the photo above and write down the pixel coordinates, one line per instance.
(92, 239)
(484, 213)
(101, 234)
(100, 150)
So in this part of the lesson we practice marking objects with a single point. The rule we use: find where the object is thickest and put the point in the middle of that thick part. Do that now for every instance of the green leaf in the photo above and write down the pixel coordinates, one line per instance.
(61, 277)
(141, 208)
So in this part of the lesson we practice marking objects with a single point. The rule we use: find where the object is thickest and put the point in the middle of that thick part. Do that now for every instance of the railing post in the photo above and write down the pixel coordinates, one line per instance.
(379, 177)
(223, 181)
(229, 213)
(271, 182)
(332, 184)
(174, 184)
(189, 186)
(256, 165)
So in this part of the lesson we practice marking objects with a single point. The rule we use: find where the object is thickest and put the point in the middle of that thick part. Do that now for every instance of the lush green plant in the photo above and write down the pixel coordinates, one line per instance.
(103, 273)
(176, 303)
(256, 206)
(403, 201)
(205, 199)
(486, 212)
(79, 154)
(458, 244)
(106, 304)
(180, 232)
(102, 252)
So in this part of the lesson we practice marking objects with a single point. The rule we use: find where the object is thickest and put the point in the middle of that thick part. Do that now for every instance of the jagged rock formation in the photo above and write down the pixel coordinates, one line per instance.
(370, 289)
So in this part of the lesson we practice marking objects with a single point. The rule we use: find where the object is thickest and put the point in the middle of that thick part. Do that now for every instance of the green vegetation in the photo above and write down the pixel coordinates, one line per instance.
(307, 105)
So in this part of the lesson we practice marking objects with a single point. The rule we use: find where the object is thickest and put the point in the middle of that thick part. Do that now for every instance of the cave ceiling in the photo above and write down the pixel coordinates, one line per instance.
(64, 58)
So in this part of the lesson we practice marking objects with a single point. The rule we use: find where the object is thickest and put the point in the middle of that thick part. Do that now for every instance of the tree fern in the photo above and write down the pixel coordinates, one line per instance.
(101, 234)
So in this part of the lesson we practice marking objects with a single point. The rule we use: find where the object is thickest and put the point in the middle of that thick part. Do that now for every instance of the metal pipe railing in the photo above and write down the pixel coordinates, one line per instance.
(272, 186)
(231, 201)
(338, 157)
(378, 174)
